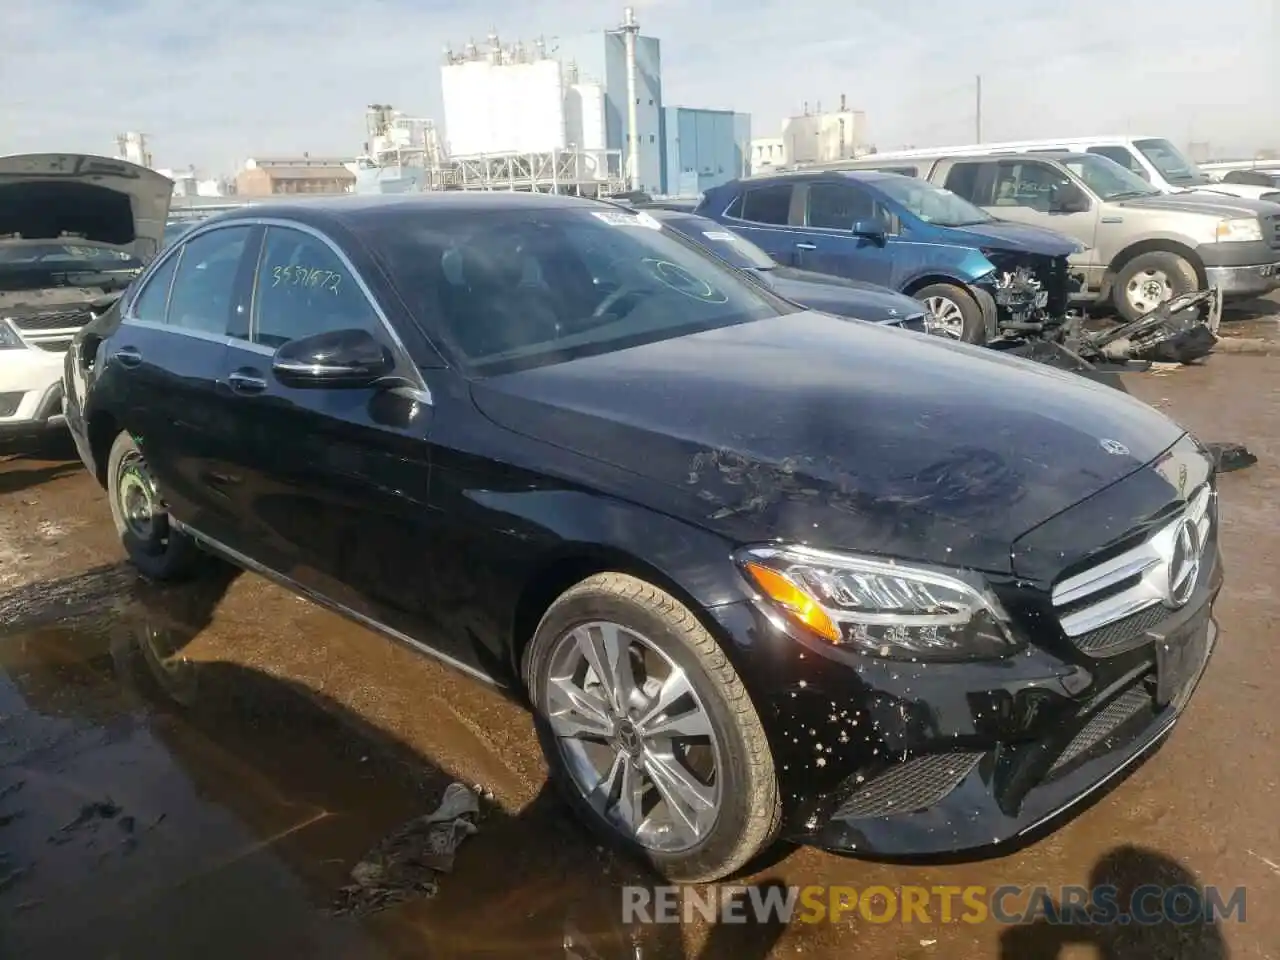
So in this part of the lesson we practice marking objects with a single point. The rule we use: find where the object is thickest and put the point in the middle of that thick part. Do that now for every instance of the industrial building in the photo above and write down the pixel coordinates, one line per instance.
(582, 114)
(704, 148)
(815, 137)
(266, 177)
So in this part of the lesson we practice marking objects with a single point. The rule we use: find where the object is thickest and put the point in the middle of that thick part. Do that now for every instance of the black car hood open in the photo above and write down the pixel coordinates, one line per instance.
(848, 298)
(45, 196)
(846, 436)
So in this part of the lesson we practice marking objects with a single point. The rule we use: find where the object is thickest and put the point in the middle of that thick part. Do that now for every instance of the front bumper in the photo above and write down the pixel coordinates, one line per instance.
(1241, 269)
(30, 392)
(1006, 794)
(1252, 280)
(895, 759)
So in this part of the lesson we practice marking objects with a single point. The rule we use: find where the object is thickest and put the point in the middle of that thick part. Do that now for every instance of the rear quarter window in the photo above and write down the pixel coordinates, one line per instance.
(770, 204)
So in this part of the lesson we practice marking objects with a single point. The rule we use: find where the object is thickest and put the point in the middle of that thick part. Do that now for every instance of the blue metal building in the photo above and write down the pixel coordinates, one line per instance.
(703, 149)
(682, 150)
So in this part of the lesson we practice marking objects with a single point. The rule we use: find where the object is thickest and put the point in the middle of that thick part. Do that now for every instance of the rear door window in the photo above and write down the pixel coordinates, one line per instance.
(204, 287)
(770, 205)
(1022, 184)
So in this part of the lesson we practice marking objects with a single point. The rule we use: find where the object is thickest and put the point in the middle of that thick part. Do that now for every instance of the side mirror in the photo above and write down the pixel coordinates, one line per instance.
(1068, 198)
(341, 358)
(871, 229)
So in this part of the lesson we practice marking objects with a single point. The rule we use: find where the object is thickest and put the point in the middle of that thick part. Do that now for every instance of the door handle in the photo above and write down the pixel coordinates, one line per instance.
(806, 246)
(242, 382)
(129, 356)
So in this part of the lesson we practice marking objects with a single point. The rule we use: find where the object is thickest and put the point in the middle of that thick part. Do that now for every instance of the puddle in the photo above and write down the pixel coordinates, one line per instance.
(153, 806)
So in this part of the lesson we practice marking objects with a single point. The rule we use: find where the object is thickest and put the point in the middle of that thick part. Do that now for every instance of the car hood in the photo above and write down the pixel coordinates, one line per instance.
(1017, 237)
(843, 435)
(112, 202)
(1248, 191)
(1203, 201)
(850, 298)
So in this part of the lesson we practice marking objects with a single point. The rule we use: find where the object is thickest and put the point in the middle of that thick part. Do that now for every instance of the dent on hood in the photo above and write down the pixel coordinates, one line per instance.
(965, 486)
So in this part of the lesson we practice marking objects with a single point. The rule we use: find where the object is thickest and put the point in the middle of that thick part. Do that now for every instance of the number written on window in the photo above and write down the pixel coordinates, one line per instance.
(300, 275)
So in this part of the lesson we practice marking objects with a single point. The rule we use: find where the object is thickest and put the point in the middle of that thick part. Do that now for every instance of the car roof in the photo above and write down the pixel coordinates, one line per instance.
(362, 210)
(1015, 155)
(865, 176)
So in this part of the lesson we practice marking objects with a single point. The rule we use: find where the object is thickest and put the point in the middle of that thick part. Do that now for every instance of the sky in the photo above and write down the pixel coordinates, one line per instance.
(213, 83)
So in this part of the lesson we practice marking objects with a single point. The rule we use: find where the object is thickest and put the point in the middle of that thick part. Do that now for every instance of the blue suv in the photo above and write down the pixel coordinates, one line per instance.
(907, 234)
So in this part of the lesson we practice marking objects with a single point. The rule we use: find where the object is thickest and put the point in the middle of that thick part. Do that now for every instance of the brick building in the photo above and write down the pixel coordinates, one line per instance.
(290, 175)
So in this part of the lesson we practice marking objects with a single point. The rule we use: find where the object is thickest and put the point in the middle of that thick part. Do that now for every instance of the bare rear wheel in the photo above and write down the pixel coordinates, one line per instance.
(154, 546)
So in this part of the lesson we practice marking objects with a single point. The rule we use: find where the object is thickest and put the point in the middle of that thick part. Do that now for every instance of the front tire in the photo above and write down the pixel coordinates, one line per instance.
(155, 547)
(956, 309)
(649, 731)
(1149, 280)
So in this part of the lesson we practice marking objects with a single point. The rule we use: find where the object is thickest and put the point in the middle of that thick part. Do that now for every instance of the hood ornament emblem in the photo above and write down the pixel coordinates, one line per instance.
(1114, 447)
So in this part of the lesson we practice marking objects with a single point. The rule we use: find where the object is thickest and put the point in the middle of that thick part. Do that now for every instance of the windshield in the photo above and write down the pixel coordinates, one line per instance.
(516, 288)
(1173, 166)
(1108, 179)
(59, 254)
(932, 204)
(738, 251)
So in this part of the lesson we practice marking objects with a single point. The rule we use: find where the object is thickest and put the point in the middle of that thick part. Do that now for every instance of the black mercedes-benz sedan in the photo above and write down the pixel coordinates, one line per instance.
(758, 571)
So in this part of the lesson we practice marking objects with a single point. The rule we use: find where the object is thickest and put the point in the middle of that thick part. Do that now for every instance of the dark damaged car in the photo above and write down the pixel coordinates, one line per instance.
(981, 277)
(817, 291)
(75, 231)
(750, 585)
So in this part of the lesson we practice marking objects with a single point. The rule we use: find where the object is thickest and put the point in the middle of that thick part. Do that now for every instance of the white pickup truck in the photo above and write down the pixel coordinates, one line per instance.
(74, 232)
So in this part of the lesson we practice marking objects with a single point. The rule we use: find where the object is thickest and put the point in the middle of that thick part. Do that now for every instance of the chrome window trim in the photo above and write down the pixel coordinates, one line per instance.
(173, 253)
(337, 251)
(421, 391)
(127, 314)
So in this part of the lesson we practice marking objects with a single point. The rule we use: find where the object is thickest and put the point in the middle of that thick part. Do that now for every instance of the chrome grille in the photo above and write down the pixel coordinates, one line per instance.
(53, 320)
(1132, 582)
(1271, 229)
(51, 330)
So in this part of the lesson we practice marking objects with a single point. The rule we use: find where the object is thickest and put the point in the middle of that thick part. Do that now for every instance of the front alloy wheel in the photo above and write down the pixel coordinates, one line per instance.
(634, 735)
(649, 731)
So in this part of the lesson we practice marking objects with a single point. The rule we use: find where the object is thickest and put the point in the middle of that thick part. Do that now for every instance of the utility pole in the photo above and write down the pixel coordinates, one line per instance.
(629, 31)
(978, 112)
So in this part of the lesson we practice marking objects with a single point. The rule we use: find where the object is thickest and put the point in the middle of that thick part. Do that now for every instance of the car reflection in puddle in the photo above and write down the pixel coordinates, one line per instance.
(157, 806)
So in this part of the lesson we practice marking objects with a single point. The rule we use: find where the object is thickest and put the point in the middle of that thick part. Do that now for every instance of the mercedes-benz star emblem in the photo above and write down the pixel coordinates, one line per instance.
(1184, 565)
(1114, 447)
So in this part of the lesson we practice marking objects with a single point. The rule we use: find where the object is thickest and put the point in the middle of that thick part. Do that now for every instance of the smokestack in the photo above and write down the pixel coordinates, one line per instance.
(630, 28)
(842, 107)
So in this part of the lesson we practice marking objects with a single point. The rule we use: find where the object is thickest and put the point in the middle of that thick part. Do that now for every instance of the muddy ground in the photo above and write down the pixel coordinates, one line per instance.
(193, 772)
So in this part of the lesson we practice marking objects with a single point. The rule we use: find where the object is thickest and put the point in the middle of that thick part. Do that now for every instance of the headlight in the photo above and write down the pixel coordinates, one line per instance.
(9, 339)
(878, 607)
(1244, 230)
